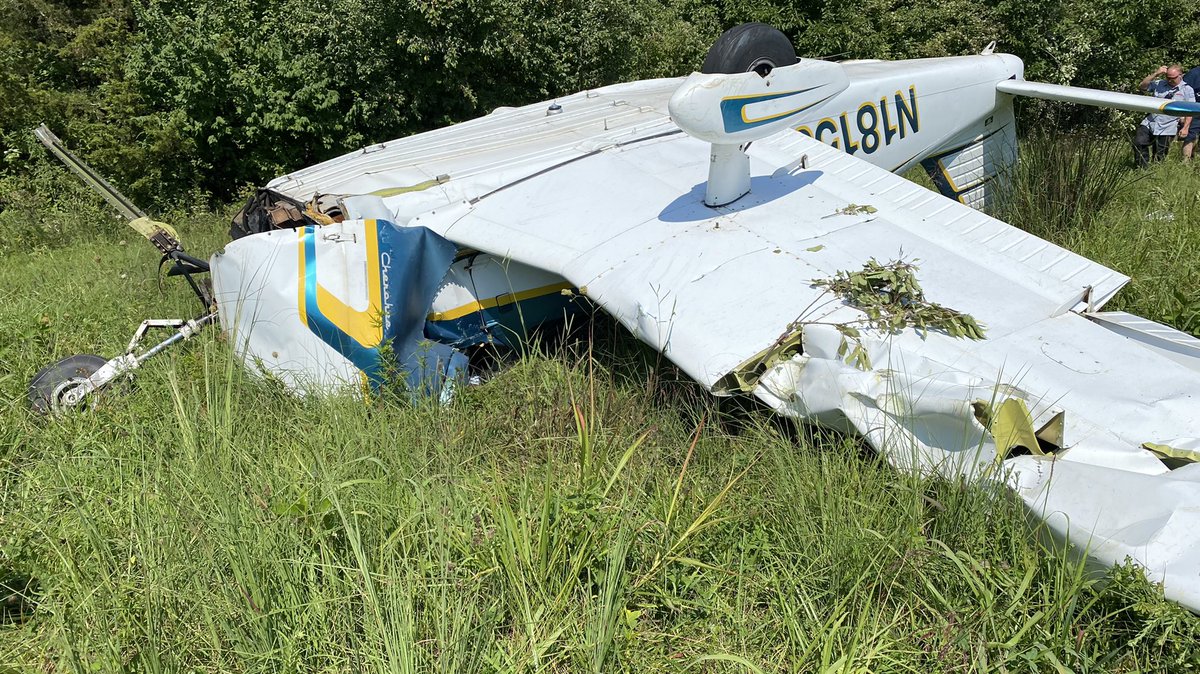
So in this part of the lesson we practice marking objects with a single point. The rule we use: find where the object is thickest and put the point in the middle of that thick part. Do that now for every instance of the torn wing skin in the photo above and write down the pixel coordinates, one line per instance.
(711, 288)
(607, 196)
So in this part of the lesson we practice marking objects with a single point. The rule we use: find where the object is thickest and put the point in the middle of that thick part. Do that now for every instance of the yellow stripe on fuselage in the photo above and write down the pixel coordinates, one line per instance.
(499, 301)
(364, 327)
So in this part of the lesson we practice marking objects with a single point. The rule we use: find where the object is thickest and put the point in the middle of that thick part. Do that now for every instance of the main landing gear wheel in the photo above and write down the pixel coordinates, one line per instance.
(58, 386)
(750, 46)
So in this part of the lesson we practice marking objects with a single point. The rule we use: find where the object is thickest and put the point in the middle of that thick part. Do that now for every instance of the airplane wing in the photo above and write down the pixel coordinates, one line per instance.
(716, 288)
(1097, 97)
(607, 192)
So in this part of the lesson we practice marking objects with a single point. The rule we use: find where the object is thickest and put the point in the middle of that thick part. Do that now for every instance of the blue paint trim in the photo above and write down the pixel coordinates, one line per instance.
(939, 180)
(365, 359)
(934, 170)
(1182, 108)
(504, 325)
(412, 261)
(732, 110)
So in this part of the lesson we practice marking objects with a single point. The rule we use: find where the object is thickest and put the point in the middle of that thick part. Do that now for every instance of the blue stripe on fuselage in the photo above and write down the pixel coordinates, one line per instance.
(733, 114)
(365, 359)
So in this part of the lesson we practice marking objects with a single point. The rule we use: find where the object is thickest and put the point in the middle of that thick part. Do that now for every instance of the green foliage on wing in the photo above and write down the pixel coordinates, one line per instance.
(891, 299)
(582, 511)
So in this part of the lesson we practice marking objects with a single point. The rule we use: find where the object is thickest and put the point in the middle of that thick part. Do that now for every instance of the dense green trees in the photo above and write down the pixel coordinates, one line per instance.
(180, 101)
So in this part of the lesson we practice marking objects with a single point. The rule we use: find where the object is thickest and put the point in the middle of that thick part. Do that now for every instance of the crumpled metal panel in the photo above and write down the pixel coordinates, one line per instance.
(711, 288)
(616, 211)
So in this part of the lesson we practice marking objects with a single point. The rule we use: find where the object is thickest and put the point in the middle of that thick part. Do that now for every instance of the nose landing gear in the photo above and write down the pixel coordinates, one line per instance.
(69, 383)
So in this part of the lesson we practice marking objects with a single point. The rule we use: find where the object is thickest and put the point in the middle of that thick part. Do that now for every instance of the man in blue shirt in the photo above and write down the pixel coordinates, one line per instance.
(1192, 79)
(1155, 133)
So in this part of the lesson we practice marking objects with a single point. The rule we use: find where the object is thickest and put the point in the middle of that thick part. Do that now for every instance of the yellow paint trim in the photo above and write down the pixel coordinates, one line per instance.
(778, 115)
(887, 122)
(301, 299)
(942, 165)
(1012, 426)
(393, 191)
(363, 327)
(949, 181)
(827, 123)
(498, 301)
(910, 106)
(782, 94)
(851, 145)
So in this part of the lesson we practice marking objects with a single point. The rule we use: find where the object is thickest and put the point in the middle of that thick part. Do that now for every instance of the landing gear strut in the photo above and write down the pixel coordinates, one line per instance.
(69, 383)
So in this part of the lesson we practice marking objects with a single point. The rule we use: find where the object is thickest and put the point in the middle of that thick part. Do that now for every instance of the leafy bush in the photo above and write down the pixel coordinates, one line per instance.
(268, 87)
(186, 102)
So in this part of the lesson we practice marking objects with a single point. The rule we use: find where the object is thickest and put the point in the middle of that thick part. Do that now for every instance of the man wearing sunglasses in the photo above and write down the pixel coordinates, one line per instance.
(1155, 133)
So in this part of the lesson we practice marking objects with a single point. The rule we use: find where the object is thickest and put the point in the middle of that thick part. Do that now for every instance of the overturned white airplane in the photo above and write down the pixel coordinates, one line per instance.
(713, 217)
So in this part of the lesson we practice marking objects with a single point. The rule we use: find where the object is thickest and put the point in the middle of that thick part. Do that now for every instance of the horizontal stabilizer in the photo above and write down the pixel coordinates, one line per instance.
(1097, 97)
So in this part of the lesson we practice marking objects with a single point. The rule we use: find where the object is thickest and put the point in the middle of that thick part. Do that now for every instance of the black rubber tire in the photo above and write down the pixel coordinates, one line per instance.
(48, 379)
(749, 46)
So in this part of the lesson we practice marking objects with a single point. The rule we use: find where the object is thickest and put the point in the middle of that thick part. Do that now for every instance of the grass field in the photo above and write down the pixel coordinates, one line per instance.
(583, 511)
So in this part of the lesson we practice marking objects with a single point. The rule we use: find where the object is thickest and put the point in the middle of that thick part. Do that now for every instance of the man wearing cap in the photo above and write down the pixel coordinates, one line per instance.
(1154, 134)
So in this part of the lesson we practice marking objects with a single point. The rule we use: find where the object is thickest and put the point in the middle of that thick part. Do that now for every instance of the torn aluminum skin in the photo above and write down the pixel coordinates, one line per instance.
(608, 196)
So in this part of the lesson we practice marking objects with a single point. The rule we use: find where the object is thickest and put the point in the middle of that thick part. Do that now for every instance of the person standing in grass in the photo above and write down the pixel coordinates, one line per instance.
(1192, 79)
(1154, 134)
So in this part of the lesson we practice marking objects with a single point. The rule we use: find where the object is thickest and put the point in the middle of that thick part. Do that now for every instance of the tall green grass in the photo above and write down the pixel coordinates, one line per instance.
(1084, 194)
(583, 511)
(1062, 183)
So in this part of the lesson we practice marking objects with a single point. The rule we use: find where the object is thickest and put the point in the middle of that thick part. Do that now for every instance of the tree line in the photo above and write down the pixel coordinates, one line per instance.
(187, 102)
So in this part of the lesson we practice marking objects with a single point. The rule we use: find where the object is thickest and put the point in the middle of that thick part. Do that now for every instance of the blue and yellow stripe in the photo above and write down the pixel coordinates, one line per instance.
(733, 109)
(354, 334)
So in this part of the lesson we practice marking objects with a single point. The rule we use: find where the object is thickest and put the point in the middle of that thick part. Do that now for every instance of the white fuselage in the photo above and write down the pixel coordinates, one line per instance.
(603, 195)
(896, 113)
(893, 114)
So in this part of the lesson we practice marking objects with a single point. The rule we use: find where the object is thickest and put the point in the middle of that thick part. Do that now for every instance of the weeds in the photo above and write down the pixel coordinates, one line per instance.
(199, 525)
(1062, 184)
(565, 516)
